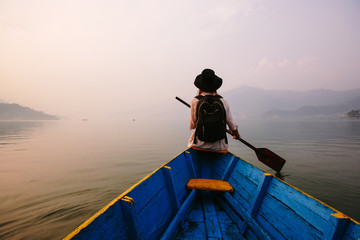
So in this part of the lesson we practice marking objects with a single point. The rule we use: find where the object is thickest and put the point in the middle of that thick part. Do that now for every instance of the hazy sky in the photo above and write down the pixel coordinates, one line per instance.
(80, 58)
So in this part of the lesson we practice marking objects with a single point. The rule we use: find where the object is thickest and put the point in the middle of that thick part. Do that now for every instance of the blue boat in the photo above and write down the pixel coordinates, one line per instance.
(208, 195)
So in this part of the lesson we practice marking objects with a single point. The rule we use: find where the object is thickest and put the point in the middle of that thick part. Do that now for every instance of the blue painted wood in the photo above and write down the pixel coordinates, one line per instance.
(147, 190)
(132, 223)
(259, 196)
(108, 225)
(206, 169)
(229, 228)
(180, 216)
(245, 179)
(211, 221)
(234, 215)
(244, 215)
(337, 227)
(196, 223)
(352, 231)
(277, 218)
(306, 207)
(153, 199)
(194, 227)
(151, 225)
(229, 168)
(243, 188)
(190, 164)
(204, 162)
(249, 171)
(171, 188)
(262, 190)
(220, 164)
(181, 175)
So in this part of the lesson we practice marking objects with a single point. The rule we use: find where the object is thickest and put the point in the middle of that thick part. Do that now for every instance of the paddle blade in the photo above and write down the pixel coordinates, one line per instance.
(270, 159)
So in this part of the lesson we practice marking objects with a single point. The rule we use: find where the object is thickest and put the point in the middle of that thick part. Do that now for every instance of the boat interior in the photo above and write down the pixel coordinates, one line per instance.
(207, 195)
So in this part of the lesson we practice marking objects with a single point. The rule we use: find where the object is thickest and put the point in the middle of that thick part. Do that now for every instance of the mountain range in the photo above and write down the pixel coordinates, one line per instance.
(13, 111)
(245, 102)
(250, 102)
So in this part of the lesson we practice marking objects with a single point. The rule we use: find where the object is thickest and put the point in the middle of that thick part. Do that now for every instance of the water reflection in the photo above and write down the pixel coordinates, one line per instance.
(13, 132)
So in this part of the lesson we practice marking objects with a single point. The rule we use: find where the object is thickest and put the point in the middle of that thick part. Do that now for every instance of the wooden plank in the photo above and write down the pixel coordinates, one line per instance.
(209, 185)
(229, 168)
(194, 226)
(243, 189)
(352, 231)
(249, 171)
(147, 190)
(245, 179)
(110, 225)
(211, 220)
(305, 206)
(268, 227)
(180, 187)
(242, 213)
(177, 164)
(262, 189)
(131, 218)
(180, 216)
(204, 162)
(259, 196)
(181, 177)
(156, 215)
(171, 187)
(229, 229)
(206, 169)
(233, 215)
(276, 217)
(220, 165)
(338, 223)
(190, 164)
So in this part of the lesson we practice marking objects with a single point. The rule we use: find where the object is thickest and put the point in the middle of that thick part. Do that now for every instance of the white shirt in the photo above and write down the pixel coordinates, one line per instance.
(214, 146)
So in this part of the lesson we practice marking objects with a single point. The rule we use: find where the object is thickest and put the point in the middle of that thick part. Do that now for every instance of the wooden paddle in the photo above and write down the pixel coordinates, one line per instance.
(264, 155)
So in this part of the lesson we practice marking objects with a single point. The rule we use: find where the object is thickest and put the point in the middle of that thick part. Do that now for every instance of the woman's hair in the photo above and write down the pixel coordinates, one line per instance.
(201, 91)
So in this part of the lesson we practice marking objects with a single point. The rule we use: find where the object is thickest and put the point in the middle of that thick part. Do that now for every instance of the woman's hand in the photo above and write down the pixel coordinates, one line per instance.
(235, 134)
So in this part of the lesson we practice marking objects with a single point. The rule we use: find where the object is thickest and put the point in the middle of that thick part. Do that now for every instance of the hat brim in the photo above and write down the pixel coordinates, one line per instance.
(208, 85)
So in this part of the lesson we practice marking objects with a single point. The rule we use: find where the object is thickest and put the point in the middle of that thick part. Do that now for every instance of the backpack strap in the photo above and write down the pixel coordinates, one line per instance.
(199, 97)
(202, 96)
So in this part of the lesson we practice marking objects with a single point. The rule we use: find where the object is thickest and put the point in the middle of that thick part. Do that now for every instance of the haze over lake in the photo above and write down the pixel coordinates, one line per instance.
(56, 174)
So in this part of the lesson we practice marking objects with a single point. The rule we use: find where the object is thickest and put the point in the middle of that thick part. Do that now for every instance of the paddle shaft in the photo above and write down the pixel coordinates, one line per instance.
(182, 101)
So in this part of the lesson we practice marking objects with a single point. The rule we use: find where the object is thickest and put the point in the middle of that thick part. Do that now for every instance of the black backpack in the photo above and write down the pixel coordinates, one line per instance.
(210, 119)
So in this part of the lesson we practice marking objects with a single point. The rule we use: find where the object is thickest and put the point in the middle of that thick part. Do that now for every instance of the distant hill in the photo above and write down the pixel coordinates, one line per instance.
(16, 112)
(332, 111)
(250, 102)
(354, 114)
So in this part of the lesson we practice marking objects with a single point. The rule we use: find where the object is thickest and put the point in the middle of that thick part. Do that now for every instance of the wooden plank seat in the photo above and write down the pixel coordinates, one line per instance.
(209, 185)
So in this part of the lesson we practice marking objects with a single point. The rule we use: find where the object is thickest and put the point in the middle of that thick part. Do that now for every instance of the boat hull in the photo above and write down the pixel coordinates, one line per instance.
(260, 206)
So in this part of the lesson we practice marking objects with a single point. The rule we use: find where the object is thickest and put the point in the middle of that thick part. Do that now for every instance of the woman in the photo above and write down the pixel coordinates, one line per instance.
(208, 83)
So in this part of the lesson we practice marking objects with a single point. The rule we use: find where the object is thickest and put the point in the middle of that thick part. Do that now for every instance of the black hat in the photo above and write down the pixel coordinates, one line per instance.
(207, 81)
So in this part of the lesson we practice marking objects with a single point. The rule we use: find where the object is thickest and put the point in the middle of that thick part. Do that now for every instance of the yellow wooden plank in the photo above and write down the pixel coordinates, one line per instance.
(209, 185)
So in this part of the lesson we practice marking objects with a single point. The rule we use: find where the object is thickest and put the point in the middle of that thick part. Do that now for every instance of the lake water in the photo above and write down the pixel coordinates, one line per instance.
(56, 174)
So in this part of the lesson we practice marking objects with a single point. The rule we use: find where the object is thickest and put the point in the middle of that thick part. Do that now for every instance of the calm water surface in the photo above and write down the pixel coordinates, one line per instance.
(54, 175)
